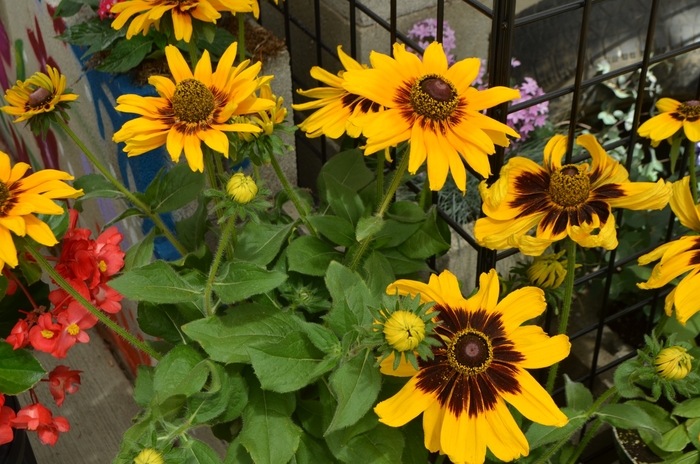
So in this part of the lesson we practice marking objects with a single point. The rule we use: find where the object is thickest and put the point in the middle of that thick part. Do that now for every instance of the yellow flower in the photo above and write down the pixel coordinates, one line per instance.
(674, 116)
(673, 363)
(195, 108)
(337, 108)
(573, 200)
(432, 106)
(242, 188)
(678, 257)
(479, 365)
(256, 8)
(22, 197)
(182, 12)
(547, 271)
(275, 115)
(149, 456)
(41, 93)
(404, 330)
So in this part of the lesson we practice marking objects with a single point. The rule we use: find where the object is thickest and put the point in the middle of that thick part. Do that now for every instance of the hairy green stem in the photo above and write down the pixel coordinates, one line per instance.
(566, 308)
(86, 304)
(691, 170)
(388, 196)
(118, 185)
(292, 194)
(592, 410)
(213, 178)
(241, 36)
(380, 173)
(223, 244)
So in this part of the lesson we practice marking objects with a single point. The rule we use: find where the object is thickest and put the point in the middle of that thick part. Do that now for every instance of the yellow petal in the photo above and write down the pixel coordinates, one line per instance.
(8, 252)
(540, 350)
(486, 297)
(408, 403)
(519, 306)
(505, 440)
(686, 297)
(405, 368)
(39, 231)
(463, 439)
(534, 402)
(177, 64)
(684, 206)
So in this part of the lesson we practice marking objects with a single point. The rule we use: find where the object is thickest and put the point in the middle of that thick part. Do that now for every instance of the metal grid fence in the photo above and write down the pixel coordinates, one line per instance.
(302, 22)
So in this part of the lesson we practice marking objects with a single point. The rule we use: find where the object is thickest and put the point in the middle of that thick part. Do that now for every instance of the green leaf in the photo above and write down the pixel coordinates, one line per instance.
(268, 433)
(163, 321)
(355, 386)
(181, 372)
(95, 186)
(260, 243)
(200, 453)
(628, 416)
(127, 54)
(688, 408)
(238, 397)
(380, 445)
(127, 213)
(157, 283)
(344, 201)
(406, 211)
(191, 230)
(313, 451)
(675, 439)
(378, 273)
(207, 405)
(19, 370)
(143, 390)
(239, 280)
(347, 168)
(237, 454)
(623, 382)
(31, 270)
(367, 227)
(336, 229)
(403, 265)
(96, 35)
(688, 458)
(322, 338)
(58, 223)
(426, 242)
(67, 8)
(578, 397)
(311, 256)
(177, 188)
(227, 339)
(140, 253)
(351, 300)
(660, 417)
(538, 434)
(287, 365)
(414, 451)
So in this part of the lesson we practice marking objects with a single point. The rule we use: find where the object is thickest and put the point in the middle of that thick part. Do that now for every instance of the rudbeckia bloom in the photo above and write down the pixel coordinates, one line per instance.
(182, 12)
(41, 93)
(561, 200)
(547, 271)
(337, 108)
(434, 107)
(404, 330)
(479, 365)
(22, 197)
(674, 116)
(673, 363)
(195, 108)
(678, 257)
(242, 188)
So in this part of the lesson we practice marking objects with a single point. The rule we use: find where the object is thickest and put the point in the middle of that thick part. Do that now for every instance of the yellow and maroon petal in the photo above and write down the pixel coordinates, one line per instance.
(684, 206)
(686, 296)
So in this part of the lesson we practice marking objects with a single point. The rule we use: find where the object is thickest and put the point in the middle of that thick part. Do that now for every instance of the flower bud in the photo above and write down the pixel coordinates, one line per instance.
(149, 456)
(673, 363)
(404, 330)
(547, 271)
(242, 188)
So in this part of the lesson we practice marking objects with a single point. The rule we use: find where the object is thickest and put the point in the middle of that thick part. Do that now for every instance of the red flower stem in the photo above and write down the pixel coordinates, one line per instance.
(86, 304)
(21, 285)
(566, 309)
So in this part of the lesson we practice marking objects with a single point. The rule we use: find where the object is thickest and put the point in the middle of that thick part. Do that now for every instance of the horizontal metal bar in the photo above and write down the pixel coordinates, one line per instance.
(552, 12)
(480, 7)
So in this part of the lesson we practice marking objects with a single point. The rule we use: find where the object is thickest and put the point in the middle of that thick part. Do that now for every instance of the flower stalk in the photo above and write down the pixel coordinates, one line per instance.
(126, 192)
(223, 244)
(85, 303)
(692, 159)
(292, 194)
(566, 307)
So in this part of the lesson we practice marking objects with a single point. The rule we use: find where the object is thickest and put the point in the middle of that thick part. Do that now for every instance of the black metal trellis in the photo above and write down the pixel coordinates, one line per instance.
(304, 26)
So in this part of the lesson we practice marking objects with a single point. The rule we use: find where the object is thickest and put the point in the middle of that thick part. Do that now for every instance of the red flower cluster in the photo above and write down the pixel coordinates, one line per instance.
(105, 9)
(87, 265)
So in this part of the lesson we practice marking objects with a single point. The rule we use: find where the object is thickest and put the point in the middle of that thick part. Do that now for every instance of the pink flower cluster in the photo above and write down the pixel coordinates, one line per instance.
(105, 8)
(425, 32)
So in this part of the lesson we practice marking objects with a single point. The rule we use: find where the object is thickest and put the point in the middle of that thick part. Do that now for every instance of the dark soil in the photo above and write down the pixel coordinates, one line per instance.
(635, 447)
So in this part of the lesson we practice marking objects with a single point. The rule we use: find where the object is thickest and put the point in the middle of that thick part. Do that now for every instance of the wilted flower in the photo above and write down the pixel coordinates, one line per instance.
(404, 330)
(547, 271)
(242, 188)
(39, 94)
(673, 363)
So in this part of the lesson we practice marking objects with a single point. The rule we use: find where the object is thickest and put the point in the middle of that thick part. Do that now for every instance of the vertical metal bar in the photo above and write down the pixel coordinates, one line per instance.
(317, 32)
(500, 49)
(353, 31)
(440, 20)
(580, 67)
(392, 23)
(288, 30)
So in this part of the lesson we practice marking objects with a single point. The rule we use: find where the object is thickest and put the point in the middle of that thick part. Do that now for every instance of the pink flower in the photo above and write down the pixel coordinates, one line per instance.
(62, 380)
(38, 417)
(19, 335)
(105, 9)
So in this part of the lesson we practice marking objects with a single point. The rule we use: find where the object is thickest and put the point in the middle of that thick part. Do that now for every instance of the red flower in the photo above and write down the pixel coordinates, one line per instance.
(38, 417)
(74, 321)
(44, 335)
(62, 380)
(107, 299)
(19, 336)
(6, 415)
(108, 253)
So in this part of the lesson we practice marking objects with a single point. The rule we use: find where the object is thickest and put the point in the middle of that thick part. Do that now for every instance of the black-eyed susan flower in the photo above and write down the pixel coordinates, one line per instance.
(241, 188)
(149, 12)
(194, 109)
(336, 108)
(560, 200)
(41, 93)
(21, 198)
(547, 271)
(678, 257)
(432, 105)
(674, 116)
(478, 366)
(673, 363)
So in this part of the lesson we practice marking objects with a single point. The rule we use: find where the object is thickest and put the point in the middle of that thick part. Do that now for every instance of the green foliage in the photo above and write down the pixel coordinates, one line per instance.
(19, 370)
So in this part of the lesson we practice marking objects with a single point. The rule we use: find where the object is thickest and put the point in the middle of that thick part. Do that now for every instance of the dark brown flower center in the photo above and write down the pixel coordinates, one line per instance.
(689, 110)
(193, 101)
(4, 198)
(433, 97)
(569, 186)
(39, 98)
(470, 352)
